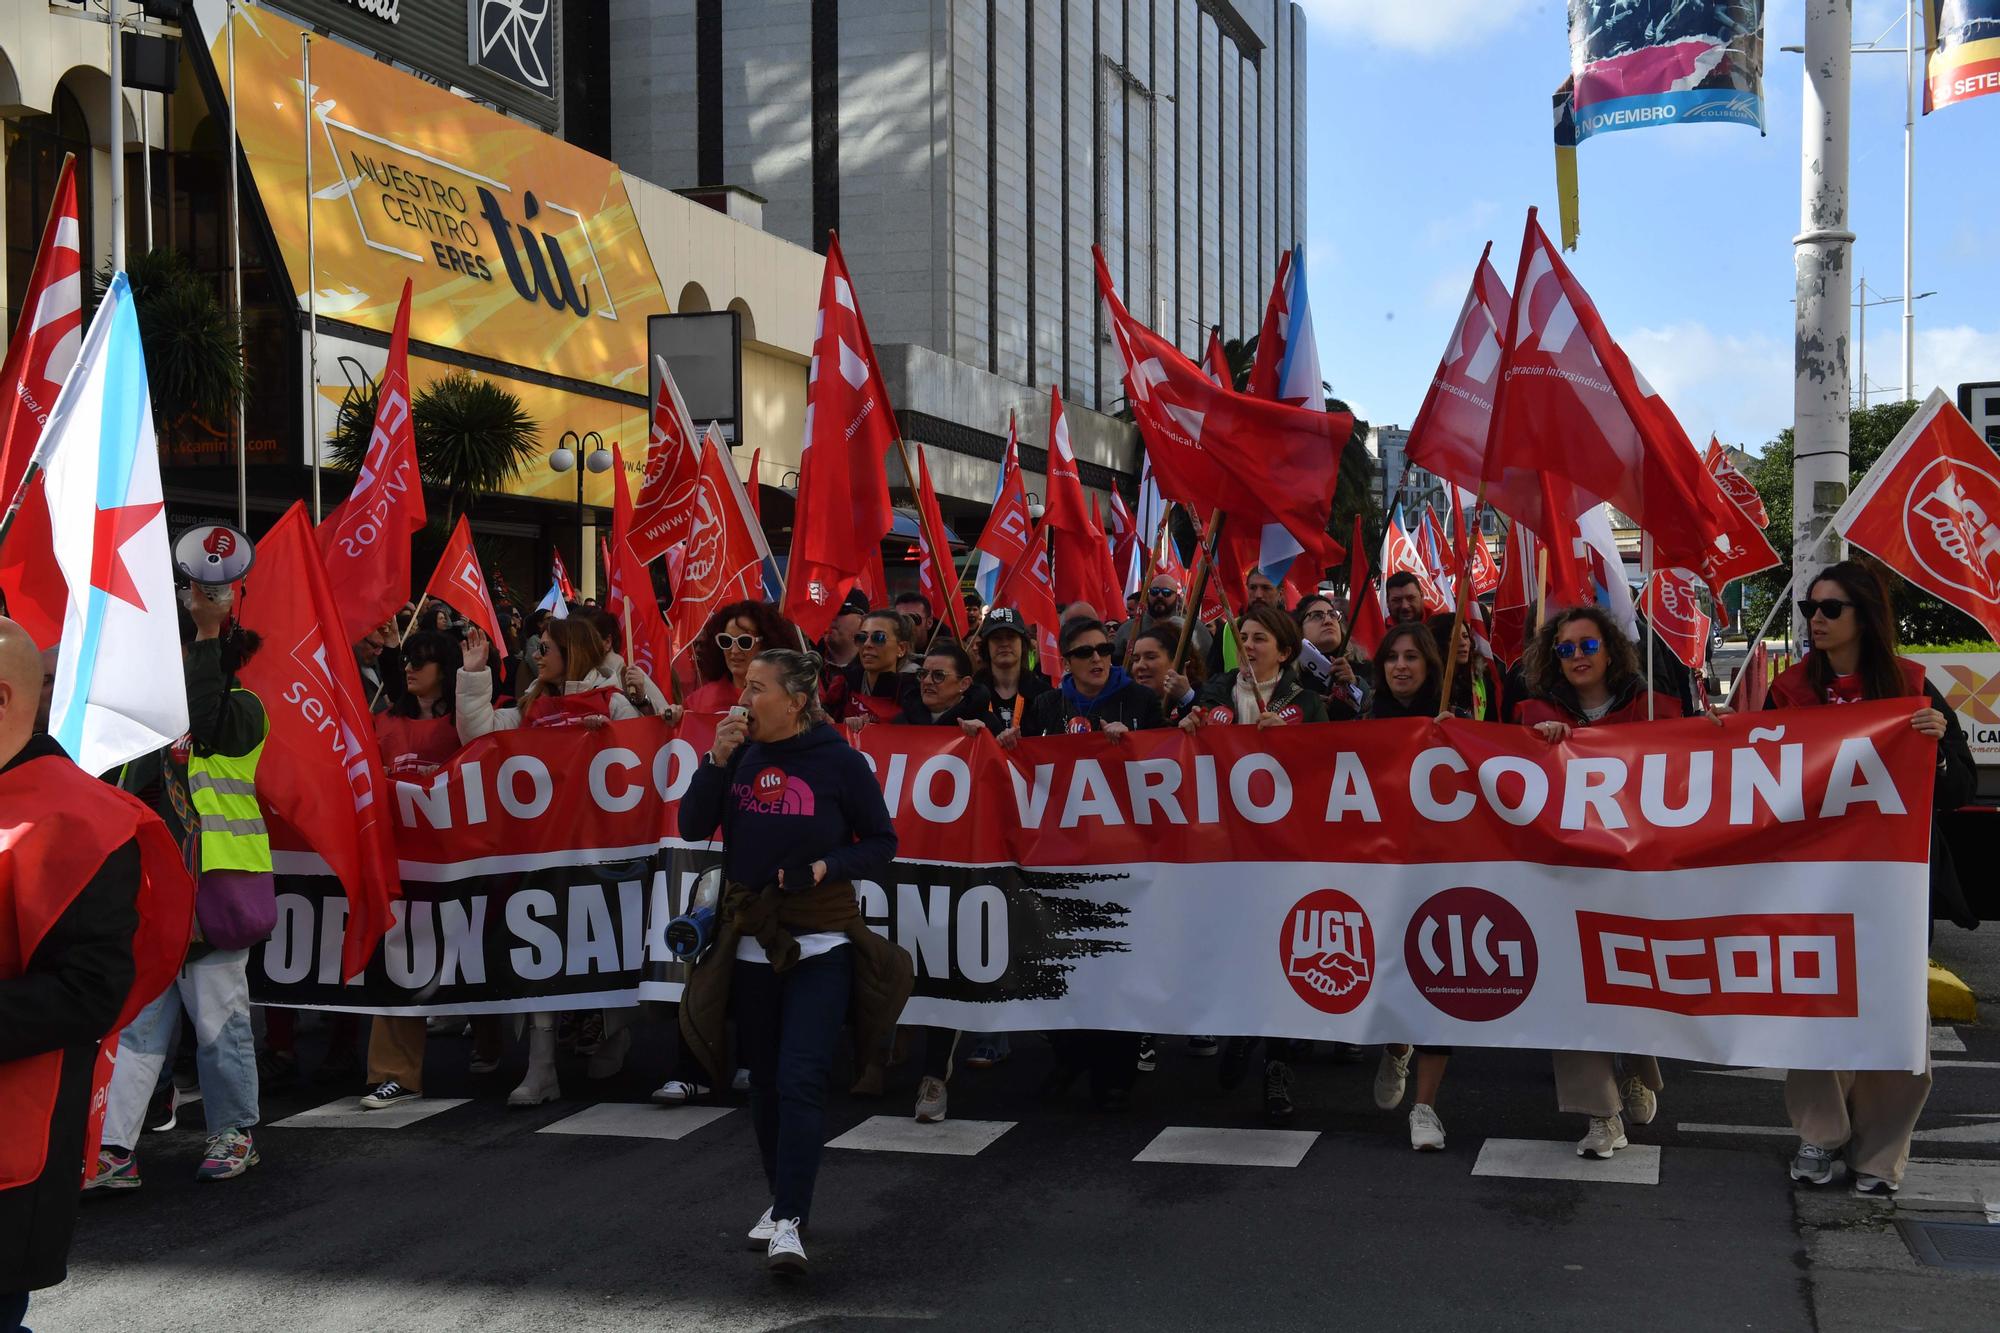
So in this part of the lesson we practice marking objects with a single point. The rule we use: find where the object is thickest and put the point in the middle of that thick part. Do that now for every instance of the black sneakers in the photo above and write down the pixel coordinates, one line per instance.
(1278, 1108)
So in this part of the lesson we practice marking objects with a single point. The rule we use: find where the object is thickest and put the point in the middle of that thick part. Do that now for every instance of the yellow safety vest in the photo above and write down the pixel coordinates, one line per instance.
(224, 790)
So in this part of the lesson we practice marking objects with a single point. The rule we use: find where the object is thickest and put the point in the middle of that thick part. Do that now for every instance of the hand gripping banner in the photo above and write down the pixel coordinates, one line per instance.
(1750, 894)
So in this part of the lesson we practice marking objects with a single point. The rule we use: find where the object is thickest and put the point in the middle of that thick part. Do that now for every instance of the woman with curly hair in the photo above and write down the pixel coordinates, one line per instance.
(724, 648)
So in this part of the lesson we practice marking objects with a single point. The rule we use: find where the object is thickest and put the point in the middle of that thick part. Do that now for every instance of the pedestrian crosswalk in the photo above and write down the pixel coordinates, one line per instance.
(951, 1138)
(1204, 1146)
(1541, 1159)
(637, 1120)
(349, 1113)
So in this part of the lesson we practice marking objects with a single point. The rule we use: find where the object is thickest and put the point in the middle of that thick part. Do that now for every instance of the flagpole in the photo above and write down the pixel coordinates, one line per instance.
(932, 539)
(1147, 566)
(1646, 574)
(1541, 585)
(1203, 560)
(114, 30)
(312, 280)
(33, 470)
(236, 285)
(1464, 598)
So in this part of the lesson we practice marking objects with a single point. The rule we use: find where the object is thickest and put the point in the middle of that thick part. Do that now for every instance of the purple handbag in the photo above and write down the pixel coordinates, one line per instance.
(236, 908)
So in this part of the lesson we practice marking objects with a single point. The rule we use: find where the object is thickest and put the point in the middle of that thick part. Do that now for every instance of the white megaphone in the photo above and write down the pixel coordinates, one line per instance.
(214, 555)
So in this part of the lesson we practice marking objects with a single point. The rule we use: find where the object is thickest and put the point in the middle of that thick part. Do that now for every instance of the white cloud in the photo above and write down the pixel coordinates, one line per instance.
(1738, 386)
(1415, 25)
(1945, 357)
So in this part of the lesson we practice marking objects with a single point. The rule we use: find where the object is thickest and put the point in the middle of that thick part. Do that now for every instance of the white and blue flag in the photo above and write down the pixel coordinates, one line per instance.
(119, 691)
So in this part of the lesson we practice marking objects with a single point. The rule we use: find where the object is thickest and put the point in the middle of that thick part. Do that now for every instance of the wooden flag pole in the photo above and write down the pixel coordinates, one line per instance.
(1204, 558)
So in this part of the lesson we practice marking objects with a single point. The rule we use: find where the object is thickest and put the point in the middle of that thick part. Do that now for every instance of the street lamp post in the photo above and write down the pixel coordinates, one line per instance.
(597, 459)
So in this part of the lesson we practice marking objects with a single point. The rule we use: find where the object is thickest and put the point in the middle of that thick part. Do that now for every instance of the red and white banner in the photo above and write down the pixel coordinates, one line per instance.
(365, 539)
(1749, 894)
(1930, 510)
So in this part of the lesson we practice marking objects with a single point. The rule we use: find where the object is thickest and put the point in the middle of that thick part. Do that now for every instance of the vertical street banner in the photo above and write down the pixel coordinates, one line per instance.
(1962, 39)
(1755, 893)
(1663, 62)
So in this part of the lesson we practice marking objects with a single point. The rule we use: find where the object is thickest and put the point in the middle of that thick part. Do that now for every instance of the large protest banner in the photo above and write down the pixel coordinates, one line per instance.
(1753, 893)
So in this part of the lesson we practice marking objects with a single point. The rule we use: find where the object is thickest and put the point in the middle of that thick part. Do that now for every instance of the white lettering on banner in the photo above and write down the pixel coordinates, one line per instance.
(1592, 784)
(1090, 794)
(1240, 777)
(541, 789)
(1423, 795)
(1653, 790)
(923, 791)
(1859, 775)
(1153, 782)
(600, 791)
(592, 945)
(1534, 788)
(540, 956)
(464, 926)
(1750, 777)
(1349, 791)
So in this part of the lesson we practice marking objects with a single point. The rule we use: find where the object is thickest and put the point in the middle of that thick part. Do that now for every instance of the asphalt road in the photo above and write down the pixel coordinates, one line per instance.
(472, 1219)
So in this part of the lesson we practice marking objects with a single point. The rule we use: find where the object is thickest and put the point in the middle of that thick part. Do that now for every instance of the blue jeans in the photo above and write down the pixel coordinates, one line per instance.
(13, 1309)
(786, 1030)
(215, 991)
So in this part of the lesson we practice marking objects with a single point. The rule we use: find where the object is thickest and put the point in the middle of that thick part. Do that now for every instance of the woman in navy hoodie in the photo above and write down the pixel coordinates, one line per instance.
(801, 818)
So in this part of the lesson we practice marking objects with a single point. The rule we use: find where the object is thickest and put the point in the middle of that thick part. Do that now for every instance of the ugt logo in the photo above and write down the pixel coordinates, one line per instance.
(1328, 951)
(548, 280)
(1951, 527)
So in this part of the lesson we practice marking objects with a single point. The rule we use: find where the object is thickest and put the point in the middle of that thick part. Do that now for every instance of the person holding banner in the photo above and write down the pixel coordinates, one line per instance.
(640, 691)
(417, 737)
(1012, 683)
(801, 818)
(1347, 669)
(878, 683)
(1583, 672)
(1870, 1113)
(1265, 691)
(1408, 683)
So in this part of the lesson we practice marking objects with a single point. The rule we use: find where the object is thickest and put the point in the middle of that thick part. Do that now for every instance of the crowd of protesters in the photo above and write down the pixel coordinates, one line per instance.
(796, 957)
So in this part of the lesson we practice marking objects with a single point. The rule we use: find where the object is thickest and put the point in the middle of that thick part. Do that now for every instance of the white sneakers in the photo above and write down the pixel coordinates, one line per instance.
(1640, 1103)
(1390, 1078)
(785, 1254)
(1426, 1130)
(930, 1101)
(760, 1235)
(675, 1092)
(1606, 1136)
(1812, 1164)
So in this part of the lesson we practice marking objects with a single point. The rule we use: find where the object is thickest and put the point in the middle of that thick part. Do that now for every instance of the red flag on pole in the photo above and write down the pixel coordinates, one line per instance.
(1216, 362)
(1930, 510)
(460, 584)
(1400, 556)
(629, 590)
(754, 488)
(1064, 507)
(1126, 544)
(724, 547)
(561, 572)
(661, 512)
(843, 507)
(322, 773)
(1514, 606)
(1437, 556)
(46, 339)
(1365, 622)
(1734, 484)
(1672, 606)
(936, 572)
(1029, 587)
(1111, 588)
(366, 538)
(1005, 536)
(1271, 336)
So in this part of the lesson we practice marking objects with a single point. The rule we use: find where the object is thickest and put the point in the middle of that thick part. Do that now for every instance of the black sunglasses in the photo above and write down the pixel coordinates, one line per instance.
(1089, 651)
(1831, 607)
(741, 642)
(1567, 650)
(878, 637)
(937, 677)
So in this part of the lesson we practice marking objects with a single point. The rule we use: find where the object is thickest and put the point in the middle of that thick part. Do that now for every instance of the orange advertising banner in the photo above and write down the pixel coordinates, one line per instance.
(521, 247)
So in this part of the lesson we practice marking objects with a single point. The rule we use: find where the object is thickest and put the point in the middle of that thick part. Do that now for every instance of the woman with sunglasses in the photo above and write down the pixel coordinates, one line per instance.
(1095, 696)
(1408, 680)
(722, 652)
(417, 737)
(1582, 671)
(878, 681)
(1264, 691)
(1870, 1113)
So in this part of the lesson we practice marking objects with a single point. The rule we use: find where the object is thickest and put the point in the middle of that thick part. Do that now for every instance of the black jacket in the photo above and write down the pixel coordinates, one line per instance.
(975, 706)
(1031, 686)
(1133, 704)
(66, 1001)
(1288, 691)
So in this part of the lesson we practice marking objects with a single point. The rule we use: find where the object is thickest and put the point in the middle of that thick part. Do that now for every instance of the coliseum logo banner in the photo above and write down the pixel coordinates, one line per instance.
(1749, 894)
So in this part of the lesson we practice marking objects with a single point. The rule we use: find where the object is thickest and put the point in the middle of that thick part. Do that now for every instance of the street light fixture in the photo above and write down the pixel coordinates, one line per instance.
(564, 458)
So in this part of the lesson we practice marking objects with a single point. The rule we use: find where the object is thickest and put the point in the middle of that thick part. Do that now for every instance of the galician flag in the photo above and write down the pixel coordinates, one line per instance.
(118, 691)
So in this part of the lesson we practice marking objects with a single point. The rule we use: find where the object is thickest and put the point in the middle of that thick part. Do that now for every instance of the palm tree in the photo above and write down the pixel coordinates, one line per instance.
(472, 435)
(193, 348)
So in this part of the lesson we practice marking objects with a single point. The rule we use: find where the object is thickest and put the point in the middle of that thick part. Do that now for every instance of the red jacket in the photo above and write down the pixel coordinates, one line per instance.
(1793, 690)
(1665, 709)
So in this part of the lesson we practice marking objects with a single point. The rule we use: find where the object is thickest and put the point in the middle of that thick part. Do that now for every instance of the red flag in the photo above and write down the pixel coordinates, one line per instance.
(1005, 536)
(1167, 560)
(724, 547)
(1437, 557)
(1028, 586)
(629, 590)
(1672, 606)
(1259, 461)
(1271, 336)
(561, 572)
(1753, 680)
(1126, 541)
(1571, 405)
(460, 584)
(1514, 604)
(754, 488)
(1734, 484)
(673, 460)
(936, 573)
(1930, 510)
(1112, 587)
(1485, 574)
(1400, 556)
(1064, 508)
(843, 506)
(1216, 362)
(45, 344)
(366, 538)
(1365, 622)
(322, 774)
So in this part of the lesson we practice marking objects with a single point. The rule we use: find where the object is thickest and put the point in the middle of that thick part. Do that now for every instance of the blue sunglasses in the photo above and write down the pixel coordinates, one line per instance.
(1588, 647)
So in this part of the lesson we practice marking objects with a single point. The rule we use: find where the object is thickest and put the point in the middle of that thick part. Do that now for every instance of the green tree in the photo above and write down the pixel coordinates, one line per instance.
(473, 437)
(193, 348)
(1921, 618)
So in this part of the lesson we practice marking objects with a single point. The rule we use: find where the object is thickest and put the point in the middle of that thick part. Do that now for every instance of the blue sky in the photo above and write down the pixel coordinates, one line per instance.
(1429, 134)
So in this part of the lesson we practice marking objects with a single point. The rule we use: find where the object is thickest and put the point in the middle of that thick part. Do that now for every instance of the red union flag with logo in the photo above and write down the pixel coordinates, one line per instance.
(724, 546)
(366, 539)
(1734, 484)
(1673, 607)
(322, 776)
(662, 512)
(1930, 510)
(460, 584)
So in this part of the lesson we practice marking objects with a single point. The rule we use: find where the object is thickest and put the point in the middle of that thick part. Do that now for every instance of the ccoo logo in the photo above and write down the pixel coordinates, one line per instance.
(1328, 951)
(1952, 524)
(1471, 954)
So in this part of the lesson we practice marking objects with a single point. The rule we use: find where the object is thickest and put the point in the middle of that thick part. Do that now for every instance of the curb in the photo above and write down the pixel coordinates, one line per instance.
(1950, 998)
